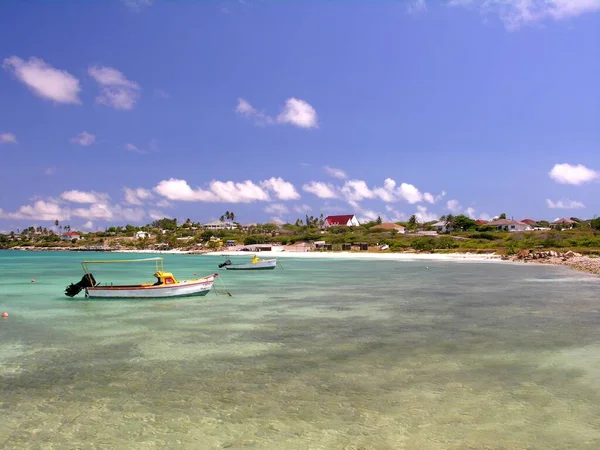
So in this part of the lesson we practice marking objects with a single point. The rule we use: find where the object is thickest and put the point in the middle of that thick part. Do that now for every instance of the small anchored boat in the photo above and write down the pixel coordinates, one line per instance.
(166, 286)
(255, 264)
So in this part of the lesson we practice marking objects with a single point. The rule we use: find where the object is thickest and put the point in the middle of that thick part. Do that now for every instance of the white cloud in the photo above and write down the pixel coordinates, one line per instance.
(244, 108)
(470, 212)
(136, 196)
(415, 6)
(277, 208)
(50, 171)
(302, 209)
(299, 113)
(89, 225)
(115, 89)
(320, 189)
(84, 139)
(410, 193)
(357, 190)
(8, 138)
(569, 174)
(423, 215)
(76, 196)
(44, 80)
(40, 210)
(336, 173)
(219, 191)
(284, 190)
(485, 216)
(454, 206)
(295, 112)
(156, 214)
(133, 148)
(163, 204)
(516, 13)
(564, 204)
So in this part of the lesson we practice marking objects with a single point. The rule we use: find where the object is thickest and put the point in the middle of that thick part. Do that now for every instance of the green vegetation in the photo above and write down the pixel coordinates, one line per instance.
(464, 236)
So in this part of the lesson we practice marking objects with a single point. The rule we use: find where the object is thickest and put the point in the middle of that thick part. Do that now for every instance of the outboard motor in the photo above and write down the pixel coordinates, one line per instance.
(226, 263)
(87, 281)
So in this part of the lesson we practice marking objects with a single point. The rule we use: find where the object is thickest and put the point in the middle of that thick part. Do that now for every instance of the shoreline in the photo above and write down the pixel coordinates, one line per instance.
(577, 262)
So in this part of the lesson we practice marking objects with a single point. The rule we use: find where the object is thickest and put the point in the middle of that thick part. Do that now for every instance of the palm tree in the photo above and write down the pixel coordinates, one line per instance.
(412, 222)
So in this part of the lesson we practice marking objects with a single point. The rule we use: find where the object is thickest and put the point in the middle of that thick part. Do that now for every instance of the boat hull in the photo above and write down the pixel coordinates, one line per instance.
(182, 289)
(268, 264)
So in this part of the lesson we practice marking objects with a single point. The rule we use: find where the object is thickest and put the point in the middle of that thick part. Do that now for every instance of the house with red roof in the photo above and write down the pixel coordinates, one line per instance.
(529, 221)
(563, 224)
(347, 220)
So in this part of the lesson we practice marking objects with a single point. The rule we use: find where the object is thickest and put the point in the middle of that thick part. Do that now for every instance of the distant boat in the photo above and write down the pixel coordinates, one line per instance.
(166, 286)
(255, 264)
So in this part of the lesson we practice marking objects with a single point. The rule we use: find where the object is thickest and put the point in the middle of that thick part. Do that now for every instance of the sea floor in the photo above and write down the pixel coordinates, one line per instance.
(322, 354)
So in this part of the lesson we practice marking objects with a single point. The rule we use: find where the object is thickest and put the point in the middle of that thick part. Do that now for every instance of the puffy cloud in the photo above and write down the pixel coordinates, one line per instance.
(295, 112)
(515, 13)
(454, 206)
(336, 173)
(302, 209)
(115, 89)
(40, 210)
(44, 80)
(89, 225)
(423, 215)
(570, 174)
(277, 208)
(564, 204)
(356, 190)
(8, 138)
(133, 148)
(299, 113)
(50, 171)
(320, 189)
(219, 191)
(76, 196)
(284, 190)
(136, 196)
(84, 138)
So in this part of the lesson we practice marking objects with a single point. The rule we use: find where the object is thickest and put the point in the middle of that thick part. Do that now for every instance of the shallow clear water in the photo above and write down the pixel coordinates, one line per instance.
(326, 354)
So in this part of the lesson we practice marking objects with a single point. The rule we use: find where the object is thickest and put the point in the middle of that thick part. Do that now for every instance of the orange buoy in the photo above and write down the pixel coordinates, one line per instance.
(4, 315)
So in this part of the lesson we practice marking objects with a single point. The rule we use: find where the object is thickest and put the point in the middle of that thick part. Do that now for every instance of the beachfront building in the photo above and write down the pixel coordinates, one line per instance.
(218, 225)
(440, 226)
(509, 225)
(347, 220)
(141, 234)
(69, 236)
(390, 226)
(564, 224)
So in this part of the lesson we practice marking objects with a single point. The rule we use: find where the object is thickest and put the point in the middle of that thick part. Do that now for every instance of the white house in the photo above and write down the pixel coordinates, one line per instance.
(69, 236)
(141, 234)
(348, 220)
(440, 226)
(509, 225)
(218, 225)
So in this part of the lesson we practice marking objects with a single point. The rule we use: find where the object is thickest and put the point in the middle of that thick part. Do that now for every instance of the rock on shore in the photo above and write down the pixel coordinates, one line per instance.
(572, 259)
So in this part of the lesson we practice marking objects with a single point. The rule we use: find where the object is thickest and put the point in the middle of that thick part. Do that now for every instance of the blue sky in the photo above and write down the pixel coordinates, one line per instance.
(126, 111)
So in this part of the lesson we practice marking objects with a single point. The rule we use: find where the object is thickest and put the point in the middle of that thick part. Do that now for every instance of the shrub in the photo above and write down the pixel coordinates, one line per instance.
(485, 236)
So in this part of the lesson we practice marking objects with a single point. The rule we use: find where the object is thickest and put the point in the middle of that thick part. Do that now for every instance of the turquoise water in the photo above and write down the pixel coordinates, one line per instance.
(326, 354)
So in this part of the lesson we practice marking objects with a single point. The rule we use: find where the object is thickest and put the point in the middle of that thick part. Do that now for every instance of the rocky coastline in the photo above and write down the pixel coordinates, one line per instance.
(569, 258)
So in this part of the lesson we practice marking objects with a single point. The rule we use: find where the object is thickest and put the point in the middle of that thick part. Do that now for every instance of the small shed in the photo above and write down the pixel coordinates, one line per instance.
(346, 247)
